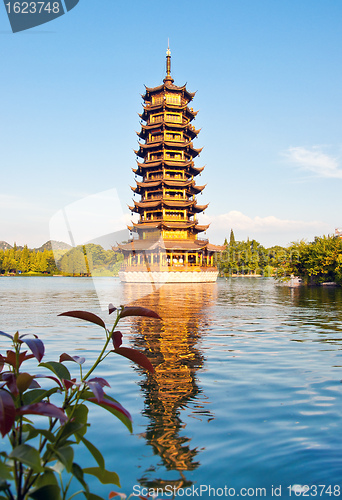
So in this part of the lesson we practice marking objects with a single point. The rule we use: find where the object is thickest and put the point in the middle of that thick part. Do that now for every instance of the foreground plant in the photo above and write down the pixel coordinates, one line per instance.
(40, 463)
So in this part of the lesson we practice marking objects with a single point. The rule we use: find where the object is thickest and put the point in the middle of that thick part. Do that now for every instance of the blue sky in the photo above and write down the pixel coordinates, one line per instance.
(269, 93)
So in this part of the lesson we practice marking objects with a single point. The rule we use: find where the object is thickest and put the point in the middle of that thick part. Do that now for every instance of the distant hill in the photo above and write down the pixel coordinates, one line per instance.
(57, 245)
(5, 246)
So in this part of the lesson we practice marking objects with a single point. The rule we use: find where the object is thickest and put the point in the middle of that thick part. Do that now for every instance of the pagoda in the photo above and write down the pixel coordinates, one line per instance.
(167, 247)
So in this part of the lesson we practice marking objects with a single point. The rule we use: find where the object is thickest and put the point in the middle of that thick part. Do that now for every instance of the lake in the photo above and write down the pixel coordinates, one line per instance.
(246, 396)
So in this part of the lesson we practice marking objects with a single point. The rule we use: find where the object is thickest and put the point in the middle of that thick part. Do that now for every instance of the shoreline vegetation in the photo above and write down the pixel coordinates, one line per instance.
(314, 263)
(83, 260)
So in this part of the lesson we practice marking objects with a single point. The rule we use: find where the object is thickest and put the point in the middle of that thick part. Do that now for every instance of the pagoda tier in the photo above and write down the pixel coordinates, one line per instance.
(150, 131)
(167, 170)
(167, 229)
(149, 186)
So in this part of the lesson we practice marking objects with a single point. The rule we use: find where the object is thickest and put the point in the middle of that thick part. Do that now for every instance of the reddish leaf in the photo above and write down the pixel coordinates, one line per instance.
(101, 381)
(113, 494)
(87, 316)
(97, 390)
(2, 362)
(6, 335)
(111, 308)
(11, 358)
(138, 311)
(11, 382)
(51, 378)
(136, 356)
(110, 404)
(37, 348)
(76, 359)
(7, 412)
(69, 383)
(95, 385)
(43, 408)
(117, 339)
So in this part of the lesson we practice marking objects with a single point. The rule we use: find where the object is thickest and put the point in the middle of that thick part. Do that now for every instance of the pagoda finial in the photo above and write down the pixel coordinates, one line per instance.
(168, 77)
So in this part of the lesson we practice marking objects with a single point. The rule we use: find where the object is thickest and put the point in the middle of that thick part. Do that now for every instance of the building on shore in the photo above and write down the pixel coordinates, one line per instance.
(167, 246)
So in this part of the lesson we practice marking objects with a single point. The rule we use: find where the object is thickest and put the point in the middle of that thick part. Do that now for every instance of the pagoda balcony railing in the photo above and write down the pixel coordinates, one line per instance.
(176, 177)
(166, 218)
(176, 101)
(156, 138)
(166, 197)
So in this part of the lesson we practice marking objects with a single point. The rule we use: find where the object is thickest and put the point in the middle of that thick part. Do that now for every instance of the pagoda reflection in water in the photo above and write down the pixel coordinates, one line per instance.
(173, 348)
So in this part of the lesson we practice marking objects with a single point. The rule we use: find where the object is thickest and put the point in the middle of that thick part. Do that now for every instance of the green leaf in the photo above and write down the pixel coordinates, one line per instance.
(36, 395)
(92, 496)
(66, 456)
(27, 455)
(5, 471)
(24, 381)
(95, 452)
(48, 477)
(103, 475)
(80, 414)
(30, 432)
(49, 491)
(77, 471)
(58, 369)
(69, 429)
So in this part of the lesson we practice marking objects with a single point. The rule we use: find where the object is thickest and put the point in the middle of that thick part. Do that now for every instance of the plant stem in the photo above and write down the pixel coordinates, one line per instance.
(99, 359)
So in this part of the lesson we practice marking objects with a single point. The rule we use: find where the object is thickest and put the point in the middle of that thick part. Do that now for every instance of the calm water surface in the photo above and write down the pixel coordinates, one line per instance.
(247, 390)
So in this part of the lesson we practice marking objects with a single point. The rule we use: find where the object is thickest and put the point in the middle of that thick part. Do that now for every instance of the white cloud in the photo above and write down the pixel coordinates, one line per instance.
(315, 160)
(270, 230)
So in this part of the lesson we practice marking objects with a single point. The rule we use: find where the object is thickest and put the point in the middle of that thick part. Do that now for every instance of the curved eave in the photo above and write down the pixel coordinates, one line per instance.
(168, 86)
(168, 164)
(200, 229)
(172, 107)
(162, 202)
(199, 208)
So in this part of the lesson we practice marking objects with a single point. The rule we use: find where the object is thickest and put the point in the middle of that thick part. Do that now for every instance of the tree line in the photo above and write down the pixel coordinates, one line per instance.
(314, 262)
(81, 260)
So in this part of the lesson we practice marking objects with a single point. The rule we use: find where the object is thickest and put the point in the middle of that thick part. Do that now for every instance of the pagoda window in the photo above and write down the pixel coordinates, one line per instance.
(169, 136)
(175, 214)
(152, 195)
(157, 118)
(154, 156)
(173, 99)
(173, 117)
(152, 215)
(154, 175)
(157, 99)
(174, 174)
(156, 138)
(172, 155)
(173, 193)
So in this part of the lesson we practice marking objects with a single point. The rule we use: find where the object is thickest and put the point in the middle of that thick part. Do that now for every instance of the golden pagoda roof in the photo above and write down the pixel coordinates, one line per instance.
(150, 244)
(168, 85)
(151, 126)
(178, 183)
(168, 203)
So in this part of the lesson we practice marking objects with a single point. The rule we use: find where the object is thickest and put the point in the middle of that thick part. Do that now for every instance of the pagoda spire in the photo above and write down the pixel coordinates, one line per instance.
(168, 77)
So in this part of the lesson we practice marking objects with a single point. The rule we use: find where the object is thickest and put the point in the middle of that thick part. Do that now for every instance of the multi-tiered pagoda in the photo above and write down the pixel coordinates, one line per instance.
(167, 230)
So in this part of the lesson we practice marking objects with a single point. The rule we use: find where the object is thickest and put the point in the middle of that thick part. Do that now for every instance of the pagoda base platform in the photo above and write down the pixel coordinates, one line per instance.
(208, 276)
